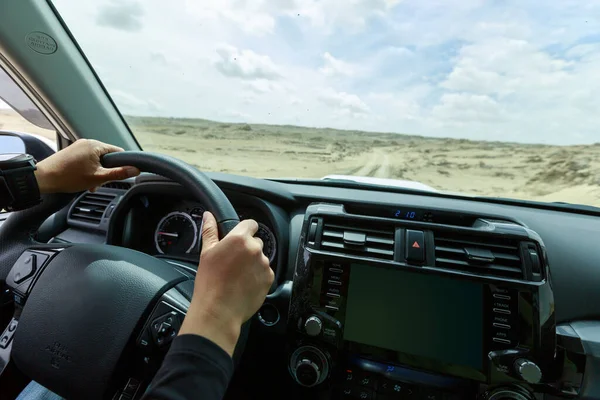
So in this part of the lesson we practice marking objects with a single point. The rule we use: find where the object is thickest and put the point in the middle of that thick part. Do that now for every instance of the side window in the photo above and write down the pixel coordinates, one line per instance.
(18, 113)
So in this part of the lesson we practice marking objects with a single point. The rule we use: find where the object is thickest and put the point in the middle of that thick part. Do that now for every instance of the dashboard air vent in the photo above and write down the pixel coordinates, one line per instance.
(90, 207)
(482, 255)
(366, 242)
(117, 185)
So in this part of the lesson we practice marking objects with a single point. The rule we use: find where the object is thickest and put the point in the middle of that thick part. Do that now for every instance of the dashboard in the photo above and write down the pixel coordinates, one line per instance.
(387, 295)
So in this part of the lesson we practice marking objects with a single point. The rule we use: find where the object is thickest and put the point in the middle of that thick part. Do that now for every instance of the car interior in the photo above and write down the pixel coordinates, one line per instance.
(379, 292)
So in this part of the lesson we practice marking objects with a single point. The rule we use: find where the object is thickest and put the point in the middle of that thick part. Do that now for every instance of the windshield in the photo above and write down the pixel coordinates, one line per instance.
(487, 98)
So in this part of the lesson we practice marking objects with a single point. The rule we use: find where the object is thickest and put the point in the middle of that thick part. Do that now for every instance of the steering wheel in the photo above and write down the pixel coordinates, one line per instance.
(93, 315)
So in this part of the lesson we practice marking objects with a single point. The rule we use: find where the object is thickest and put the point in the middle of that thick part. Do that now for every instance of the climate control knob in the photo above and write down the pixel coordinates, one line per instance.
(313, 326)
(307, 372)
(309, 366)
(508, 393)
(528, 370)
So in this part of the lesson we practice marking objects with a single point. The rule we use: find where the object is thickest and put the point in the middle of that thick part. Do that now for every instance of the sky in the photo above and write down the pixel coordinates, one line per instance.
(508, 70)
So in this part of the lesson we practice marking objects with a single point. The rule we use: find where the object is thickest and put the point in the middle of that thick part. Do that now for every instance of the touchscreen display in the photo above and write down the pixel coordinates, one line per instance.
(418, 314)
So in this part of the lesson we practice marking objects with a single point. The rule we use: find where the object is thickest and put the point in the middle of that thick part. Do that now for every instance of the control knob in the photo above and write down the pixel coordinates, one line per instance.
(508, 393)
(528, 370)
(313, 326)
(307, 372)
(309, 366)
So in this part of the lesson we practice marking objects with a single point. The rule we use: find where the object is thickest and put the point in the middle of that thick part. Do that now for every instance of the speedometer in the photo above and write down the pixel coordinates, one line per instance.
(176, 233)
(269, 241)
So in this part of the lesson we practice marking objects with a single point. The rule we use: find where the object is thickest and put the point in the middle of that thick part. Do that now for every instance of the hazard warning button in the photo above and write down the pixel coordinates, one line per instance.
(415, 246)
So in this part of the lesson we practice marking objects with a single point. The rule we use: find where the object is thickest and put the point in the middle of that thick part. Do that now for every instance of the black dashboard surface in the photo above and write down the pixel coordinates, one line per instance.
(571, 238)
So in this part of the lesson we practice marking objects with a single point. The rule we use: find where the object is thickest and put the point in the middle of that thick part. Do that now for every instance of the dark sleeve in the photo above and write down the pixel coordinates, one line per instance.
(194, 368)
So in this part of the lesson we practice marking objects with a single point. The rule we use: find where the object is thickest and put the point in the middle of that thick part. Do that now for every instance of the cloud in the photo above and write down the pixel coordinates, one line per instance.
(459, 109)
(130, 104)
(335, 67)
(126, 16)
(500, 70)
(245, 64)
(158, 58)
(344, 102)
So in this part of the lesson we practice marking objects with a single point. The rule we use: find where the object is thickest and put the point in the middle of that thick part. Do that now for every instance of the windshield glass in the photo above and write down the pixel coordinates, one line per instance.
(488, 98)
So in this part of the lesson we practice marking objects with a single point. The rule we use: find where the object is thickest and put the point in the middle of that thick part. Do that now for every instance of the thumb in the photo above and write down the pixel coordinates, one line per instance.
(118, 173)
(210, 232)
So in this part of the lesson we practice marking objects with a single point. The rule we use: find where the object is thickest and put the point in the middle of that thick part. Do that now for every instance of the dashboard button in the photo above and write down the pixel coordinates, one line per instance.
(349, 376)
(431, 394)
(389, 386)
(357, 392)
(366, 380)
(415, 246)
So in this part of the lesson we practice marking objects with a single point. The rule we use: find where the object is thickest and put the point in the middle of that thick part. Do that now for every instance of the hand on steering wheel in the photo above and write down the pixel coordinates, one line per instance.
(232, 282)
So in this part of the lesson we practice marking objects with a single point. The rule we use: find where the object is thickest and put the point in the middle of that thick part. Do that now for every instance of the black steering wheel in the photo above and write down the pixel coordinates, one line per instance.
(94, 316)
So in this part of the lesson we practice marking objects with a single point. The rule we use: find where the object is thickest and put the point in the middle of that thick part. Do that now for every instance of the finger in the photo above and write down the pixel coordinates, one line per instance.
(210, 231)
(246, 227)
(116, 174)
(260, 242)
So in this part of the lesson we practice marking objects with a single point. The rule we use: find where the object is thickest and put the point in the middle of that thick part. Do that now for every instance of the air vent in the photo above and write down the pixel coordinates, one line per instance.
(366, 242)
(117, 185)
(90, 207)
(481, 255)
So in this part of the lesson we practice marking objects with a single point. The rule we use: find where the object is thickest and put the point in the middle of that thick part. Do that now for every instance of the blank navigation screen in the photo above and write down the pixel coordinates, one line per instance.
(418, 314)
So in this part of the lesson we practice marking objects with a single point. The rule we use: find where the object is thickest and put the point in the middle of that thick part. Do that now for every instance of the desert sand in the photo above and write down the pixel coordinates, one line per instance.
(525, 171)
(11, 121)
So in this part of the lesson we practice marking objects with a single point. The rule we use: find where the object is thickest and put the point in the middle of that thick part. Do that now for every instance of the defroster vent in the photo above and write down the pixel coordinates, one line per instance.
(485, 255)
(366, 242)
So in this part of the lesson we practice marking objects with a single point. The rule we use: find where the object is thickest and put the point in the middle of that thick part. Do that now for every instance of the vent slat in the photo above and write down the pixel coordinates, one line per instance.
(378, 243)
(94, 202)
(118, 185)
(91, 207)
(455, 253)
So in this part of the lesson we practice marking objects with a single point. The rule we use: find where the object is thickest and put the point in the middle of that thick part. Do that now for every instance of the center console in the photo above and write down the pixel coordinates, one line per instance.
(420, 304)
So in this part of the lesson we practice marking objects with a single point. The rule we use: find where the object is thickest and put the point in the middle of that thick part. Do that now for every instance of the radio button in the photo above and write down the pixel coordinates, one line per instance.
(501, 319)
(503, 341)
(336, 270)
(331, 308)
(335, 283)
(501, 311)
(334, 291)
(501, 326)
(501, 296)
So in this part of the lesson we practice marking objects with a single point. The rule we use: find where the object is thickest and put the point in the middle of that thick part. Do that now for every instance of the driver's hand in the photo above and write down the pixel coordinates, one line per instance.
(231, 284)
(77, 168)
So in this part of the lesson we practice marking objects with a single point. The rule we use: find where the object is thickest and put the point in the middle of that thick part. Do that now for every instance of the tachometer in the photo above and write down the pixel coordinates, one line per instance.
(269, 241)
(176, 233)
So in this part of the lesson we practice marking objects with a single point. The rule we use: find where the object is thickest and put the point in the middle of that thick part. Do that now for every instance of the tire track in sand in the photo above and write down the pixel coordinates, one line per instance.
(378, 166)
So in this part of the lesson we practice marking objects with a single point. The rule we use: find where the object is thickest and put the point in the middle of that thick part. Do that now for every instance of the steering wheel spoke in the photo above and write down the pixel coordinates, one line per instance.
(163, 324)
(27, 268)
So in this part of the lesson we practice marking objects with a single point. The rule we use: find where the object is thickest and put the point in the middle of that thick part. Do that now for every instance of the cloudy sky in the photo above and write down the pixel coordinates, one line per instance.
(517, 70)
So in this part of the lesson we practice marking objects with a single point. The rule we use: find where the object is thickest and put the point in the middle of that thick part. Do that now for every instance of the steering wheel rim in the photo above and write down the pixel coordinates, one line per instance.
(200, 185)
(85, 262)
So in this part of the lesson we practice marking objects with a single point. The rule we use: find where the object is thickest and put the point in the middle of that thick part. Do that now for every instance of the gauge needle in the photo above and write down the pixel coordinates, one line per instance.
(169, 234)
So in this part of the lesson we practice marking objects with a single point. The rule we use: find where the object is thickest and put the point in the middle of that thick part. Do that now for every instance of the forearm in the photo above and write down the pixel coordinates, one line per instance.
(194, 368)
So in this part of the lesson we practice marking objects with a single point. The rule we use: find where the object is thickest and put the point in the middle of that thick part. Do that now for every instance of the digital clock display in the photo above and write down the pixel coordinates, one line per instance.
(407, 214)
